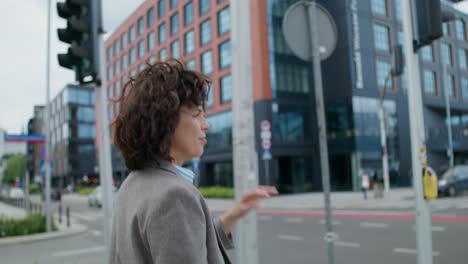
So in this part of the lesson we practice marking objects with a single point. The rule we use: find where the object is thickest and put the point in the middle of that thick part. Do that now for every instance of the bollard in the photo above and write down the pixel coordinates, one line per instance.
(60, 213)
(68, 216)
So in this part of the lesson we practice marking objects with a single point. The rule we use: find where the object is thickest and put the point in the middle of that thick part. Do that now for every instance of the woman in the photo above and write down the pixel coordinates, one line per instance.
(159, 216)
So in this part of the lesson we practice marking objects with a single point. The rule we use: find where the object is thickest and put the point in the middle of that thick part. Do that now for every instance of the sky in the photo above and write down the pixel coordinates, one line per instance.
(23, 53)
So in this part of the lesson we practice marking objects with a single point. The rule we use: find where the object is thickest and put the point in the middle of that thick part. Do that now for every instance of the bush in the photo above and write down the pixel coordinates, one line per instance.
(85, 190)
(32, 224)
(34, 188)
(217, 192)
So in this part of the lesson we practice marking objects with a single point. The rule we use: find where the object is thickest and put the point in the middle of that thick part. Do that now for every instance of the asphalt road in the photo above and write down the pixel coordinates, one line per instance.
(365, 236)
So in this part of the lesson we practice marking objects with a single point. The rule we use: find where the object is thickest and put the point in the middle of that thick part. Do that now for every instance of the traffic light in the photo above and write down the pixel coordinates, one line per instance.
(430, 16)
(82, 33)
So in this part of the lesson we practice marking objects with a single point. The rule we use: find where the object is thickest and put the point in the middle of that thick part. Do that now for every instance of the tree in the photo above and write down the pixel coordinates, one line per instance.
(15, 168)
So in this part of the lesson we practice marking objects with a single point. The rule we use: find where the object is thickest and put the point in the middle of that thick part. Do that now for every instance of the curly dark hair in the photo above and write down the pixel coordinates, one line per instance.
(149, 110)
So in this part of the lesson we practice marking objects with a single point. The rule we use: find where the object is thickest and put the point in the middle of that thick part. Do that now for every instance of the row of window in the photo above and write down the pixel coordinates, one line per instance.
(382, 8)
(223, 17)
(224, 51)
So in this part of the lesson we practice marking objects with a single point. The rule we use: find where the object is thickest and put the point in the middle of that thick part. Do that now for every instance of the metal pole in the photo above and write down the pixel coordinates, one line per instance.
(448, 116)
(322, 127)
(418, 145)
(267, 173)
(47, 126)
(243, 136)
(383, 136)
(26, 196)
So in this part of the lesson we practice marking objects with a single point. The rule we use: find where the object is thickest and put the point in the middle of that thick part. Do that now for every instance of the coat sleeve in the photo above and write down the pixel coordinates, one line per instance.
(176, 229)
(221, 233)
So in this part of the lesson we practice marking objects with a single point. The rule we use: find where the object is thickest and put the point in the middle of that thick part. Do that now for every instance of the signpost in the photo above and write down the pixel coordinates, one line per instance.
(265, 136)
(303, 17)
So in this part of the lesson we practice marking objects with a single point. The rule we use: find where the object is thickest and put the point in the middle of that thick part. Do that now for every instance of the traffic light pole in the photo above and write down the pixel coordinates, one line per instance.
(418, 147)
(243, 136)
(46, 126)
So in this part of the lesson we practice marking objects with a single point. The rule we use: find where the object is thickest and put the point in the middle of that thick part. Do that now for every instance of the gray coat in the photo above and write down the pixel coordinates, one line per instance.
(159, 217)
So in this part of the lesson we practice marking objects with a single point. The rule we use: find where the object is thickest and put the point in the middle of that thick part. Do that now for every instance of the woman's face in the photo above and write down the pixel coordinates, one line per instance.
(190, 134)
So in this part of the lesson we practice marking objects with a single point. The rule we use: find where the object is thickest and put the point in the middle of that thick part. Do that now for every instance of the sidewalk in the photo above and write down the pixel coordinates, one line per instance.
(339, 200)
(9, 211)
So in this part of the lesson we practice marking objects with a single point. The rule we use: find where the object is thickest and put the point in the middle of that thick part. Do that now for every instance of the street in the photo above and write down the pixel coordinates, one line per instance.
(366, 235)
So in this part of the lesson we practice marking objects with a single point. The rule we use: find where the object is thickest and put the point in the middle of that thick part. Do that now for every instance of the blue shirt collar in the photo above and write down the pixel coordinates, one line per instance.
(186, 173)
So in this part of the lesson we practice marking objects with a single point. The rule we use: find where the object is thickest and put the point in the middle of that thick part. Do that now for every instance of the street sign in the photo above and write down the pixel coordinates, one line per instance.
(265, 125)
(266, 144)
(266, 154)
(296, 30)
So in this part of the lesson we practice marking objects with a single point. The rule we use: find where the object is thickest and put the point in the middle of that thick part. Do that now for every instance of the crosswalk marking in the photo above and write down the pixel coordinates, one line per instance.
(291, 238)
(412, 251)
(347, 244)
(293, 220)
(373, 225)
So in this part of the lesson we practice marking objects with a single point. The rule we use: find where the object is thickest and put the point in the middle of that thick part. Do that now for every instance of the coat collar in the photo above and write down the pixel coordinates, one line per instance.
(162, 164)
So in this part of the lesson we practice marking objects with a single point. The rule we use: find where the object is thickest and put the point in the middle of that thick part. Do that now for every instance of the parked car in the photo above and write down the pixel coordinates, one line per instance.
(55, 195)
(454, 181)
(16, 193)
(95, 197)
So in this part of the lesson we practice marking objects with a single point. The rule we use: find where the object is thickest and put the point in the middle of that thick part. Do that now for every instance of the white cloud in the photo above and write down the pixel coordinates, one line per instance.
(23, 53)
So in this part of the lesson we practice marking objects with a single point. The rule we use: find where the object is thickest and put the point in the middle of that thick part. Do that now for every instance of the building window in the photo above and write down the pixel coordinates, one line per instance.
(109, 53)
(152, 59)
(149, 18)
(429, 83)
(427, 53)
(109, 72)
(226, 88)
(109, 91)
(161, 8)
(225, 54)
(162, 55)
(460, 28)
(224, 21)
(132, 55)
(204, 7)
(464, 84)
(209, 99)
(207, 62)
(150, 41)
(379, 7)
(381, 37)
(141, 49)
(191, 65)
(141, 67)
(174, 24)
(399, 10)
(116, 67)
(132, 73)
(131, 34)
(175, 49)
(123, 62)
(141, 26)
(462, 58)
(450, 89)
(205, 32)
(189, 42)
(188, 14)
(446, 54)
(116, 47)
(446, 29)
(173, 3)
(116, 88)
(162, 33)
(383, 69)
(123, 41)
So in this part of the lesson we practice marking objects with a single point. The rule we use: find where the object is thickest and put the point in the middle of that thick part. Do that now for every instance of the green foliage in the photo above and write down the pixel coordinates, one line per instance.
(32, 224)
(85, 190)
(15, 168)
(34, 188)
(217, 192)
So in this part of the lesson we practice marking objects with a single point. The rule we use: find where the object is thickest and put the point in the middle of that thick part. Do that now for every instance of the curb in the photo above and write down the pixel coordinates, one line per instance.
(62, 232)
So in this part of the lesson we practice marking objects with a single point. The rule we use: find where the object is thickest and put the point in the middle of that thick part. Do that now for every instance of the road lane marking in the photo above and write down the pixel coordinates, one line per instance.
(78, 251)
(373, 225)
(266, 217)
(413, 251)
(96, 232)
(347, 244)
(322, 221)
(434, 228)
(293, 220)
(291, 238)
